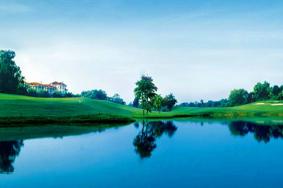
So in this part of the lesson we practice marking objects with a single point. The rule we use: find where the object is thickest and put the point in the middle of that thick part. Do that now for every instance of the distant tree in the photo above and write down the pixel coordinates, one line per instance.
(275, 91)
(157, 102)
(223, 103)
(251, 97)
(136, 102)
(95, 94)
(262, 91)
(145, 91)
(210, 103)
(201, 103)
(11, 79)
(238, 97)
(117, 99)
(169, 102)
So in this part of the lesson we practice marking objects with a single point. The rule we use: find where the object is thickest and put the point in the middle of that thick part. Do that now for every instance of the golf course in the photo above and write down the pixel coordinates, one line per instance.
(17, 109)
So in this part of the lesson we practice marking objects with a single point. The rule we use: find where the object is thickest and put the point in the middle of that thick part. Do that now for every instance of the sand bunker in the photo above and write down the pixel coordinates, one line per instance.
(278, 104)
(260, 103)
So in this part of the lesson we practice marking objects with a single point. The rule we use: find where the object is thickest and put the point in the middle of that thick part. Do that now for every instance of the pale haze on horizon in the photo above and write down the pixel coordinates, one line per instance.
(195, 49)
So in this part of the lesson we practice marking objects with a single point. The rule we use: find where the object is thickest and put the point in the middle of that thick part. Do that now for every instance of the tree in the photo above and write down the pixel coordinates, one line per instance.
(275, 92)
(238, 97)
(169, 102)
(145, 92)
(251, 97)
(262, 91)
(157, 102)
(117, 99)
(11, 79)
(136, 102)
(95, 94)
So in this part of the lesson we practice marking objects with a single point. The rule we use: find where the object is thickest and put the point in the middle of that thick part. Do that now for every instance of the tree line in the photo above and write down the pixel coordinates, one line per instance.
(100, 94)
(261, 91)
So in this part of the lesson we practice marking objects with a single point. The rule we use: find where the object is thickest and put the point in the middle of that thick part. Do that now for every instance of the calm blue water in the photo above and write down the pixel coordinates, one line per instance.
(160, 154)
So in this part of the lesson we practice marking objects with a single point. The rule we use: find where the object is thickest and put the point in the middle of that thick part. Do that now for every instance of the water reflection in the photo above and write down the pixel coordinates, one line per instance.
(262, 133)
(9, 150)
(145, 141)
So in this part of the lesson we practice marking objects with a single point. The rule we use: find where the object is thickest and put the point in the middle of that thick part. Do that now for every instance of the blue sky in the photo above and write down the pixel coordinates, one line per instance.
(197, 49)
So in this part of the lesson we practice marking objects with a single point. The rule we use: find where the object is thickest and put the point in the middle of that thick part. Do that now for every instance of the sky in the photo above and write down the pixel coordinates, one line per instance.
(195, 49)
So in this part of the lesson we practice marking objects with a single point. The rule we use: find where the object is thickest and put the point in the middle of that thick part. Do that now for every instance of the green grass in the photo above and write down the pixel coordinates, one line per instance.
(23, 109)
(258, 109)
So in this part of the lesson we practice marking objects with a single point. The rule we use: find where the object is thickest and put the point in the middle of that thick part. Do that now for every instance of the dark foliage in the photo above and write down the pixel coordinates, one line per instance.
(11, 79)
(145, 141)
(9, 150)
(95, 94)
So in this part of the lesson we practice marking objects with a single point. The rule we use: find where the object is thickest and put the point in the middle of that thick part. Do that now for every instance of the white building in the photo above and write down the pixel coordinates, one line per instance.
(51, 88)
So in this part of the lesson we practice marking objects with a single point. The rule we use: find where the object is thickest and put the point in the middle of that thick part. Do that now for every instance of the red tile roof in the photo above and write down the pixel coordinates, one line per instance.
(46, 85)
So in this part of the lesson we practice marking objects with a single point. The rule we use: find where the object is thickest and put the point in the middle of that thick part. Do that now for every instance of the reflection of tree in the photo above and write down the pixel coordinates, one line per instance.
(145, 140)
(9, 150)
(261, 133)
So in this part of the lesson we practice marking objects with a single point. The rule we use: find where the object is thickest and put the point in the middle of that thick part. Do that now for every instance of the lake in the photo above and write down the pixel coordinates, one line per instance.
(196, 153)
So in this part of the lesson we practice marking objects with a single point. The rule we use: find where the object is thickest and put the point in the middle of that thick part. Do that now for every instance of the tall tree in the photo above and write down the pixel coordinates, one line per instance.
(145, 91)
(11, 79)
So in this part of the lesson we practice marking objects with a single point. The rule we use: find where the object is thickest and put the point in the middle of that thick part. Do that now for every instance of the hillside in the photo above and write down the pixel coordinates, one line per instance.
(23, 109)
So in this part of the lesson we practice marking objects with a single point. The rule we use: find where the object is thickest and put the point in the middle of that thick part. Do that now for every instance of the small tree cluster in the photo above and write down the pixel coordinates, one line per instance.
(99, 94)
(116, 99)
(147, 98)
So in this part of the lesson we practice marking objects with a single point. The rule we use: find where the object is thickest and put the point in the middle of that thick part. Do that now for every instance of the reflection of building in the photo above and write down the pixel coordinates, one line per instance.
(51, 88)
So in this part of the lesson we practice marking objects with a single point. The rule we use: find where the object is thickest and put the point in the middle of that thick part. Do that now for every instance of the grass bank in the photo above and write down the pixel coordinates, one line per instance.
(16, 109)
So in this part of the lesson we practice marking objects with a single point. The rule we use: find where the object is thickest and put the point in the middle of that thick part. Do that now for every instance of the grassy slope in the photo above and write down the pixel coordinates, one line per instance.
(19, 109)
(14, 108)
